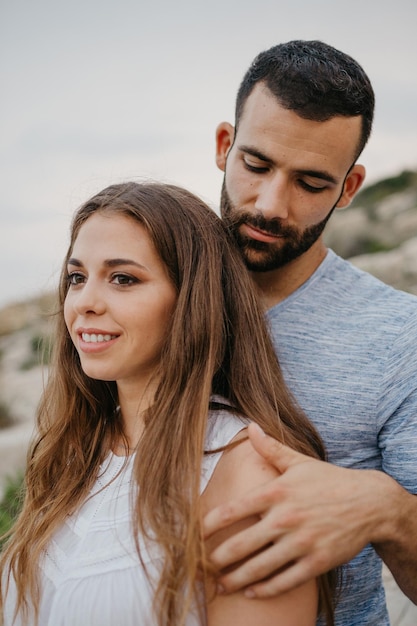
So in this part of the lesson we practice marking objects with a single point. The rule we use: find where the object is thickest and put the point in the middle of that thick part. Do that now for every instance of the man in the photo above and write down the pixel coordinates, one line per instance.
(347, 343)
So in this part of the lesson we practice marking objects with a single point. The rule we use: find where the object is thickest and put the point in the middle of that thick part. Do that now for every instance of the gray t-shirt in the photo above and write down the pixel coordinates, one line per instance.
(347, 344)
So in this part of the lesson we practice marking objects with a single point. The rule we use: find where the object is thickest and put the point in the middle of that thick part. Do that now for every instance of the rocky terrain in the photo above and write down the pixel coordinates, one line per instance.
(24, 334)
(378, 232)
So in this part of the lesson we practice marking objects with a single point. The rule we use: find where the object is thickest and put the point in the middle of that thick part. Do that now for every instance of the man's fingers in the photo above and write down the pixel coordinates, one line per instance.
(259, 500)
(277, 454)
(249, 541)
(293, 576)
(256, 502)
(227, 514)
(259, 567)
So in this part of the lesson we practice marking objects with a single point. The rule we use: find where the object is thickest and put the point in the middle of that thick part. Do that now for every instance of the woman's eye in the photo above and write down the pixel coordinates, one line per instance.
(123, 279)
(75, 278)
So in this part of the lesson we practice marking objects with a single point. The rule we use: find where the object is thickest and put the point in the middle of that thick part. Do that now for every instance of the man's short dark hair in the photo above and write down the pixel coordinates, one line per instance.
(314, 80)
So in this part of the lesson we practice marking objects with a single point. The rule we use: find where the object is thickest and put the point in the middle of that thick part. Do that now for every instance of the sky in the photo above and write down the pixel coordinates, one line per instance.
(95, 92)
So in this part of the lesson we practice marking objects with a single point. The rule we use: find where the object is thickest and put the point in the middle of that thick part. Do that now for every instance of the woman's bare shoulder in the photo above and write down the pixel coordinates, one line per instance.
(239, 470)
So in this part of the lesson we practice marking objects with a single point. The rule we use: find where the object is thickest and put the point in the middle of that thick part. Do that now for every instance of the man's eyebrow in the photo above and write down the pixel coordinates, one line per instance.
(255, 153)
(320, 174)
(109, 263)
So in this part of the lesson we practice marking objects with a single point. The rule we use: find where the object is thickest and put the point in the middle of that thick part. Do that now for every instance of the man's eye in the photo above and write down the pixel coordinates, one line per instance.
(311, 188)
(75, 278)
(255, 168)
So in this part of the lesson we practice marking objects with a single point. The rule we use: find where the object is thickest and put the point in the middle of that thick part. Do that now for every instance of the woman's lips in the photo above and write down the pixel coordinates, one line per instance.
(95, 341)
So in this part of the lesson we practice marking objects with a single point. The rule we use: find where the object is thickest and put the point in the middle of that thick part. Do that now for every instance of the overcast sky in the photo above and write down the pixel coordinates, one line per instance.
(99, 91)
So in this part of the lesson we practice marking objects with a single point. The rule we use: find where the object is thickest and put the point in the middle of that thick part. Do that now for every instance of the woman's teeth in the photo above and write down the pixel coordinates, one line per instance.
(96, 338)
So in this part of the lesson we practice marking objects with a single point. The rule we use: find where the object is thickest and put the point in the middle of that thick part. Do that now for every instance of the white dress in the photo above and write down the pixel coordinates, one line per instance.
(91, 573)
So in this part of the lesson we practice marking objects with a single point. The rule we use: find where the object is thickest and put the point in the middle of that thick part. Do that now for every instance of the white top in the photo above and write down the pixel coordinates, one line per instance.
(91, 573)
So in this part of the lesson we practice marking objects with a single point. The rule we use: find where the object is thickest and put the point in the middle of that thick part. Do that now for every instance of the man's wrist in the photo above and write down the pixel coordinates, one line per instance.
(393, 507)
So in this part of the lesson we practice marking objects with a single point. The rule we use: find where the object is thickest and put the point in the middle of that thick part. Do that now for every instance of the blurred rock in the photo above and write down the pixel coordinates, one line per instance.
(397, 267)
(378, 233)
(17, 315)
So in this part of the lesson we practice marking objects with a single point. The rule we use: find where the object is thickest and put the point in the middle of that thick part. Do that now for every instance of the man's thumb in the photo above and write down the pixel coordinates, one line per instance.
(273, 451)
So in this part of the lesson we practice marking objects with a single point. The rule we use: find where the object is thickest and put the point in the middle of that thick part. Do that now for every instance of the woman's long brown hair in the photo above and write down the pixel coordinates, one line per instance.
(218, 343)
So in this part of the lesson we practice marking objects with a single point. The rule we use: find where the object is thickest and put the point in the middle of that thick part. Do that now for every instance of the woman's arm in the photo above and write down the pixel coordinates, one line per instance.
(239, 470)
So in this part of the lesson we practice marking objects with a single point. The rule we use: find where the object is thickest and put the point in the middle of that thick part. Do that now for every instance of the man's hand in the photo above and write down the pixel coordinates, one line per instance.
(314, 517)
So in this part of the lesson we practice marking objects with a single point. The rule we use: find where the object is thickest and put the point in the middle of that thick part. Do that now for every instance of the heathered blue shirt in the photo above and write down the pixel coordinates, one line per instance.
(347, 344)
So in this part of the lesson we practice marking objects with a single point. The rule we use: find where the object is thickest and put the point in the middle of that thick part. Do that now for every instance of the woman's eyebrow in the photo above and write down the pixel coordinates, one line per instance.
(108, 262)
(120, 261)
(74, 262)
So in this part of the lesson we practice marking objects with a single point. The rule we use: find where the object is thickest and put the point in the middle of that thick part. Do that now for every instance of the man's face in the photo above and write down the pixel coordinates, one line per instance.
(267, 244)
(284, 175)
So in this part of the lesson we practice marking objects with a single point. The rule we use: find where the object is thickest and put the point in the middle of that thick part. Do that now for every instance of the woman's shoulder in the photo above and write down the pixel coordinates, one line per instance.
(223, 424)
(239, 469)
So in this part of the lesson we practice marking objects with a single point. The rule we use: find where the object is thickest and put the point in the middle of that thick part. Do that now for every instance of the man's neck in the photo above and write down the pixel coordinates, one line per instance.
(275, 286)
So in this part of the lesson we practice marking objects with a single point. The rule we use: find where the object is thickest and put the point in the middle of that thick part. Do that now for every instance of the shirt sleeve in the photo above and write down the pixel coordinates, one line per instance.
(397, 434)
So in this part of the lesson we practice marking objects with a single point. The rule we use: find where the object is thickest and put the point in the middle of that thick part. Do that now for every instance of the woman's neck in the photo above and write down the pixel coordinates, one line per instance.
(132, 412)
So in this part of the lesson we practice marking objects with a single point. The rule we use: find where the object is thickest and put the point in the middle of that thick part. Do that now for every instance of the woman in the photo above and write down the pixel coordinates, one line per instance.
(158, 321)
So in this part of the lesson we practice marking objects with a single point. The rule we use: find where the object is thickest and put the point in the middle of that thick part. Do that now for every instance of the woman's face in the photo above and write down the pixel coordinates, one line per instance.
(120, 300)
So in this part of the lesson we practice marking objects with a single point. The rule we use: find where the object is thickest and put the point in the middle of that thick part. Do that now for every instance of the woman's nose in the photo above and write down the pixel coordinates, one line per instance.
(89, 298)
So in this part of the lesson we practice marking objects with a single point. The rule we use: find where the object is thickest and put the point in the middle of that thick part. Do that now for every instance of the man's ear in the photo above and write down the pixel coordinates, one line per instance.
(225, 133)
(352, 185)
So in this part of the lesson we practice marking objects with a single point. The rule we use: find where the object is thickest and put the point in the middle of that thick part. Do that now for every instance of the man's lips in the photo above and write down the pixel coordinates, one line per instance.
(258, 234)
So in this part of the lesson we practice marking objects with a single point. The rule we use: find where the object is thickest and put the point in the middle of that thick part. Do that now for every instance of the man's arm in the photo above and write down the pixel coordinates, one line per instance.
(398, 545)
(315, 516)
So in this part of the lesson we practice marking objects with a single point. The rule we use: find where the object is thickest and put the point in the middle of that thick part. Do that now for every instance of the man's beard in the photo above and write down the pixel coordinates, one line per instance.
(261, 256)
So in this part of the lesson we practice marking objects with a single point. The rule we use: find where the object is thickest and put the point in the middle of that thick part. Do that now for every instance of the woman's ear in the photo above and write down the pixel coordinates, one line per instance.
(225, 133)
(352, 185)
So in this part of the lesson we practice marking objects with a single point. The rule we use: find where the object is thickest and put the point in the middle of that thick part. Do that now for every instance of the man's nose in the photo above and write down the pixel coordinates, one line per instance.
(273, 198)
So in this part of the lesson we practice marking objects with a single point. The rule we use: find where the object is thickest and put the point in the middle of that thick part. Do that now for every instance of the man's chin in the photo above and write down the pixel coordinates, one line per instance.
(256, 262)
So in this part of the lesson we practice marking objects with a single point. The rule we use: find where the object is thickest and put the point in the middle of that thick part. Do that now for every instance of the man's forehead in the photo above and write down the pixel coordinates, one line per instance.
(267, 126)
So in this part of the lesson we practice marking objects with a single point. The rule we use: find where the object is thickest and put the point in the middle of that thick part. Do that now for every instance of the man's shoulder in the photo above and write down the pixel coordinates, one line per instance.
(338, 285)
(342, 303)
(343, 281)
